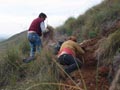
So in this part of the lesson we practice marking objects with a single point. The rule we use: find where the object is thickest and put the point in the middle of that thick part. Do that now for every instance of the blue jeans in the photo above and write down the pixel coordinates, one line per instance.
(35, 43)
(71, 62)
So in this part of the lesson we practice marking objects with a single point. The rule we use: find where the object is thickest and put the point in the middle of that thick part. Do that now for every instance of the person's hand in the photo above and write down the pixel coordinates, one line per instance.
(47, 30)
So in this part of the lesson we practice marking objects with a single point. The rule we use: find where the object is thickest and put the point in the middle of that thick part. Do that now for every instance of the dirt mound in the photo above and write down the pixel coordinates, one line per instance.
(92, 76)
(88, 73)
(90, 46)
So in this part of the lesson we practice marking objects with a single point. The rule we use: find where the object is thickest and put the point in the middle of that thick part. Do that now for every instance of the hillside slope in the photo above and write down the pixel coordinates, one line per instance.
(101, 22)
(14, 40)
(97, 30)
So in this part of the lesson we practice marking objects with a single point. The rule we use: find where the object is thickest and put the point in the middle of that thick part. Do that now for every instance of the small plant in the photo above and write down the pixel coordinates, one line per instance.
(92, 34)
(10, 67)
(24, 47)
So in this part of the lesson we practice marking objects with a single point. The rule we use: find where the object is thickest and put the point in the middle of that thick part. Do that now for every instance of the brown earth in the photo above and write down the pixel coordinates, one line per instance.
(93, 78)
(89, 70)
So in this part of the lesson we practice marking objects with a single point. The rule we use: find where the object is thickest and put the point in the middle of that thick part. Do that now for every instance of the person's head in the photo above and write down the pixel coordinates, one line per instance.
(73, 38)
(42, 15)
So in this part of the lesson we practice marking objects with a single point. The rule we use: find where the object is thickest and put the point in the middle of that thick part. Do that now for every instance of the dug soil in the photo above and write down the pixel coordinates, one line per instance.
(89, 77)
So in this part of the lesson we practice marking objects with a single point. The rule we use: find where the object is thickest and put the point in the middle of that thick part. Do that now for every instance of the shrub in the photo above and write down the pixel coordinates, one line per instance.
(10, 67)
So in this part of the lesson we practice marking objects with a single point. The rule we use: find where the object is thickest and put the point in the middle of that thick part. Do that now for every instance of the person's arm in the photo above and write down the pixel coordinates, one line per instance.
(42, 26)
(79, 49)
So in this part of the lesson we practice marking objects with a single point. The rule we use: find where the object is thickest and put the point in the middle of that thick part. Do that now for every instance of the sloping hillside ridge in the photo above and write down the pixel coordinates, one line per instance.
(13, 40)
(98, 71)
(102, 23)
(96, 31)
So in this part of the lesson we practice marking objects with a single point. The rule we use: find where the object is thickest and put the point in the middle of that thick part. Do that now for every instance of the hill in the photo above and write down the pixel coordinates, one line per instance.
(2, 39)
(98, 31)
(14, 40)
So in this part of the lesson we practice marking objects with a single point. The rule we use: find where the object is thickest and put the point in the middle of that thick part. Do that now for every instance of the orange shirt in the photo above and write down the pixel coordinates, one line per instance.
(71, 47)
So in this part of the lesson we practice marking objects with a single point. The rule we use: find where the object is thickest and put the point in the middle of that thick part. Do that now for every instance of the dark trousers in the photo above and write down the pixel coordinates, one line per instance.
(71, 62)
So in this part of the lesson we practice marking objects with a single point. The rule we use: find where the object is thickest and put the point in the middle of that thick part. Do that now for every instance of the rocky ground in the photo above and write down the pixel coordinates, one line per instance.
(94, 78)
(88, 73)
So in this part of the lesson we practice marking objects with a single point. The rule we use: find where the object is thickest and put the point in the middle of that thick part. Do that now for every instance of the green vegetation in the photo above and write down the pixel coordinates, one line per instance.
(111, 47)
(14, 40)
(42, 73)
(13, 71)
(94, 22)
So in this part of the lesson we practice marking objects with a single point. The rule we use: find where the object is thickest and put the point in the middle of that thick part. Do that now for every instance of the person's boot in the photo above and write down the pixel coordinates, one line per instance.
(29, 59)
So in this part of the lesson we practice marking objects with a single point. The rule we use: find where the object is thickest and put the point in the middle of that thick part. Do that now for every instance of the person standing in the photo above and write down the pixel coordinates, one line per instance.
(35, 31)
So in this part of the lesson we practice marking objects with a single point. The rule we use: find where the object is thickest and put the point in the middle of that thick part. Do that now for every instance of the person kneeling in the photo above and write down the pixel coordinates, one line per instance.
(68, 53)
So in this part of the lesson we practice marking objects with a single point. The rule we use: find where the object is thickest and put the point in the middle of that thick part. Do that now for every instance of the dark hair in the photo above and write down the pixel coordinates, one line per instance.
(73, 38)
(57, 47)
(42, 15)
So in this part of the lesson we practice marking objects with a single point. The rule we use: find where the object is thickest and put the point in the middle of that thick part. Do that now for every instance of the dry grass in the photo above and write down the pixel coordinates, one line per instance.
(110, 47)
